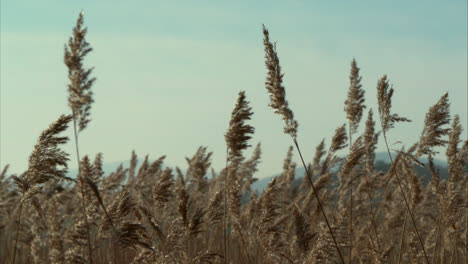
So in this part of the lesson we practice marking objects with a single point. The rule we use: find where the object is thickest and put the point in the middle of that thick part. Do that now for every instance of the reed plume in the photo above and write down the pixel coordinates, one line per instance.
(387, 121)
(274, 86)
(354, 104)
(80, 94)
(153, 214)
(431, 136)
(384, 99)
(239, 132)
(236, 137)
(47, 162)
(354, 107)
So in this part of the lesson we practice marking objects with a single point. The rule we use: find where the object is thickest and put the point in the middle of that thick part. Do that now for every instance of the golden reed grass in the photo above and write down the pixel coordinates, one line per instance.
(344, 209)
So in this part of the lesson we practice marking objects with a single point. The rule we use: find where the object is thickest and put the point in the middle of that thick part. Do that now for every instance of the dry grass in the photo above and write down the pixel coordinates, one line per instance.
(151, 214)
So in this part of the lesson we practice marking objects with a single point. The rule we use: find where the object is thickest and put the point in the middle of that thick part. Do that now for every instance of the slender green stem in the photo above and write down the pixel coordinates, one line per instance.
(309, 178)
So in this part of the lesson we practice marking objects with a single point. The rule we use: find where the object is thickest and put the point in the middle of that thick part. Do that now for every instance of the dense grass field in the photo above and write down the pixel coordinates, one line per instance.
(151, 213)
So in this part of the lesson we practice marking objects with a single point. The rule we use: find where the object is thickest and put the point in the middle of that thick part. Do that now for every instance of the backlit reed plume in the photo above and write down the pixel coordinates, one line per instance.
(47, 162)
(236, 137)
(354, 106)
(384, 99)
(387, 121)
(274, 86)
(80, 96)
(432, 135)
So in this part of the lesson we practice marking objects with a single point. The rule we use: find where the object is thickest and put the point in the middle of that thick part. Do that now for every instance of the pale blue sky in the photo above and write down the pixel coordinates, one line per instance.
(169, 71)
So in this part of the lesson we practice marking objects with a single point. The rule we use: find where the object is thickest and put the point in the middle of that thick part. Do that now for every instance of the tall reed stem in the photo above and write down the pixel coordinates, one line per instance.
(434, 255)
(350, 203)
(309, 177)
(17, 230)
(403, 194)
(372, 215)
(402, 239)
(225, 209)
(83, 203)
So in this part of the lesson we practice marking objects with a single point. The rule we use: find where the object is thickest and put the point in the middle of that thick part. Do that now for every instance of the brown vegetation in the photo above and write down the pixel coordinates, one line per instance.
(152, 214)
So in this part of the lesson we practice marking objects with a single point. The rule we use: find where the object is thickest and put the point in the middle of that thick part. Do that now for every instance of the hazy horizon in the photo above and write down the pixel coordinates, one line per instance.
(168, 75)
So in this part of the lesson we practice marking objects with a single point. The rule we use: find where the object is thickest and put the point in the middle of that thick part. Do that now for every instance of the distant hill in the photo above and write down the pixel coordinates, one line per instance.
(382, 164)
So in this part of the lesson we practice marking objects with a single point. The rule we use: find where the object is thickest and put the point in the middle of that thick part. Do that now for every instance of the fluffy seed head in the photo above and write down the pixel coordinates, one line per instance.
(354, 104)
(80, 95)
(384, 99)
(239, 132)
(437, 117)
(274, 85)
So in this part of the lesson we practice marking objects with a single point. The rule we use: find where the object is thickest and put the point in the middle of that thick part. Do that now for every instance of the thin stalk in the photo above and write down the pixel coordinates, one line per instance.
(7, 252)
(90, 258)
(351, 225)
(403, 193)
(370, 237)
(309, 177)
(244, 247)
(225, 209)
(17, 230)
(350, 204)
(437, 240)
(372, 215)
(400, 253)
(466, 226)
(452, 255)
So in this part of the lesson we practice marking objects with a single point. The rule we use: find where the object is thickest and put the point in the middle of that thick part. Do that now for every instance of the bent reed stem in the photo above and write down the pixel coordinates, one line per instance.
(403, 194)
(309, 178)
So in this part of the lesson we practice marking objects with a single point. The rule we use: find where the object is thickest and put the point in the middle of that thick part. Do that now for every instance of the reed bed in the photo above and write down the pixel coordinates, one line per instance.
(342, 210)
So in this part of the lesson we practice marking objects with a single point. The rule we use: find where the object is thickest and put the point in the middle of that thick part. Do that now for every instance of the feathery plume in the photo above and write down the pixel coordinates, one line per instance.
(47, 161)
(215, 208)
(80, 95)
(431, 136)
(384, 99)
(454, 138)
(4, 171)
(238, 132)
(236, 139)
(355, 155)
(319, 153)
(198, 167)
(339, 139)
(354, 104)
(98, 172)
(162, 191)
(131, 171)
(302, 230)
(370, 142)
(44, 165)
(274, 85)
